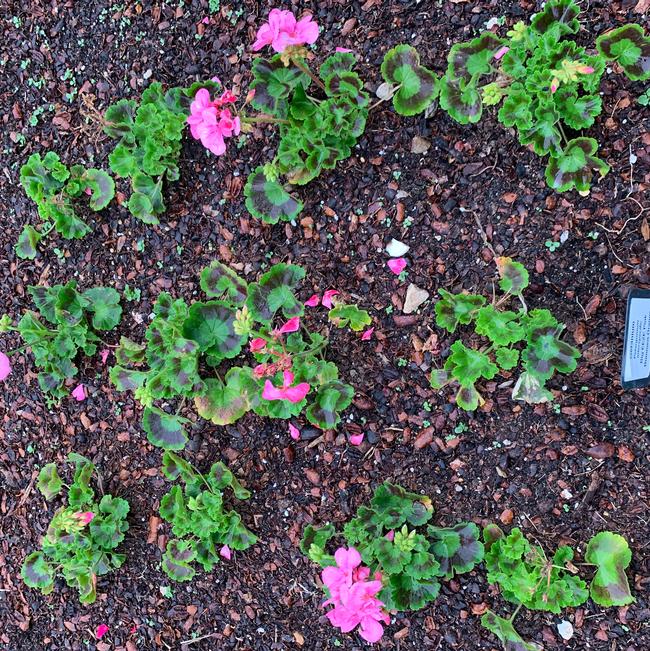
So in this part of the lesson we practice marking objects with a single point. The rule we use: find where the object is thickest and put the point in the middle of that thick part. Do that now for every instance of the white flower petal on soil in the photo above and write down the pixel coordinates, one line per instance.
(397, 249)
(414, 298)
(565, 629)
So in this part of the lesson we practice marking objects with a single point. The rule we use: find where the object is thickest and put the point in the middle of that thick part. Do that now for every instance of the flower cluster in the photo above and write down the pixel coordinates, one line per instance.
(211, 122)
(353, 596)
(283, 30)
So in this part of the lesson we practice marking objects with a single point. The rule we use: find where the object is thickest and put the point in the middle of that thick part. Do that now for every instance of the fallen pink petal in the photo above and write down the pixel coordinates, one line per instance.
(501, 52)
(5, 366)
(294, 432)
(104, 355)
(328, 296)
(313, 301)
(205, 20)
(343, 49)
(225, 552)
(367, 335)
(102, 629)
(79, 393)
(356, 439)
(397, 265)
(292, 325)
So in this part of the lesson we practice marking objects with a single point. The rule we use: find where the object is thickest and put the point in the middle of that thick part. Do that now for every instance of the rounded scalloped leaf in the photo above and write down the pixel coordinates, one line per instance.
(438, 378)
(467, 365)
(611, 554)
(126, 379)
(544, 135)
(468, 398)
(530, 389)
(515, 110)
(273, 292)
(268, 200)
(500, 327)
(457, 549)
(558, 15)
(36, 572)
(454, 309)
(505, 631)
(27, 242)
(338, 62)
(403, 592)
(102, 187)
(273, 83)
(462, 102)
(630, 47)
(212, 326)
(349, 315)
(418, 85)
(223, 403)
(49, 482)
(574, 167)
(470, 61)
(104, 304)
(331, 399)
(578, 112)
(506, 358)
(163, 430)
(514, 276)
(348, 84)
(176, 560)
(140, 206)
(119, 120)
(218, 279)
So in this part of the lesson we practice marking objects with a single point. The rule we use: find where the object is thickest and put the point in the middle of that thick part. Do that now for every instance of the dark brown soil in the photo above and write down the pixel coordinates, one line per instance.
(511, 463)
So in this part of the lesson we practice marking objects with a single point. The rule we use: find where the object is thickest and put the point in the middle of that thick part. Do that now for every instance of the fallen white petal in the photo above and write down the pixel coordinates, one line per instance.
(397, 249)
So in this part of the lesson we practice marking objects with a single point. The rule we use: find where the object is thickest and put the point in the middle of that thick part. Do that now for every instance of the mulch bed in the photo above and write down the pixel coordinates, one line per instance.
(507, 462)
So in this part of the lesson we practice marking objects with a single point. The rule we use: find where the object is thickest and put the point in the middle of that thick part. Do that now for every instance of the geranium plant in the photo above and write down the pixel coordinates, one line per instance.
(527, 338)
(56, 189)
(529, 578)
(196, 352)
(546, 84)
(149, 143)
(203, 529)
(405, 559)
(82, 536)
(67, 321)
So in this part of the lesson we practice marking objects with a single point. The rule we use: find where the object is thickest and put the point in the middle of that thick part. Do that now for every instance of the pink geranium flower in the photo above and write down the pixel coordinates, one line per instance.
(328, 296)
(102, 629)
(294, 432)
(353, 596)
(313, 301)
(367, 334)
(210, 122)
(257, 344)
(84, 517)
(284, 30)
(397, 265)
(5, 366)
(292, 325)
(286, 392)
(79, 393)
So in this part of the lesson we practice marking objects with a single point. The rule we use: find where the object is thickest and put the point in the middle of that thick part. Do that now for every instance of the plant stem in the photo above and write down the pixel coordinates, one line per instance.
(378, 102)
(263, 119)
(304, 68)
(512, 617)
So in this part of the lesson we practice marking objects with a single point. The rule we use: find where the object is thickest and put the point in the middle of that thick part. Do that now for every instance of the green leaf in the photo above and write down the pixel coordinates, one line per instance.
(36, 572)
(461, 100)
(119, 120)
(439, 378)
(125, 379)
(579, 112)
(218, 279)
(49, 482)
(27, 242)
(574, 167)
(468, 398)
(544, 134)
(163, 430)
(506, 633)
(140, 206)
(212, 326)
(225, 402)
(630, 47)
(457, 549)
(102, 187)
(66, 221)
(338, 62)
(455, 309)
(403, 592)
(176, 560)
(316, 537)
(104, 303)
(392, 506)
(174, 466)
(611, 554)
(144, 184)
(129, 351)
(423, 566)
(500, 327)
(514, 276)
(515, 110)
(491, 533)
(349, 315)
(348, 85)
(507, 358)
(391, 558)
(418, 85)
(467, 365)
(559, 15)
(273, 293)
(220, 477)
(268, 200)
(68, 307)
(328, 403)
(472, 60)
(122, 161)
(273, 84)
(530, 389)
